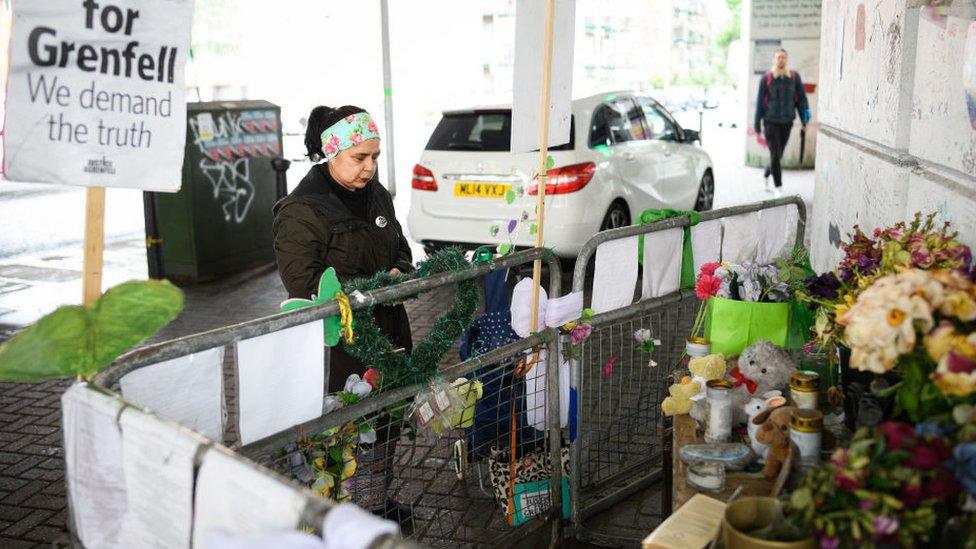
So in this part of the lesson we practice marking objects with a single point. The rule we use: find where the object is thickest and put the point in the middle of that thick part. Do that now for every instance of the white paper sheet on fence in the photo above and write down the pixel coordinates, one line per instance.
(159, 481)
(283, 540)
(536, 391)
(348, 526)
(188, 390)
(530, 25)
(564, 309)
(521, 308)
(741, 238)
(706, 242)
(616, 274)
(777, 231)
(281, 379)
(93, 462)
(662, 262)
(234, 497)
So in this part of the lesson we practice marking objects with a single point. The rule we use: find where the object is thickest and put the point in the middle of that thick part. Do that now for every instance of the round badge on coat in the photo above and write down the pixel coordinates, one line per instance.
(381, 222)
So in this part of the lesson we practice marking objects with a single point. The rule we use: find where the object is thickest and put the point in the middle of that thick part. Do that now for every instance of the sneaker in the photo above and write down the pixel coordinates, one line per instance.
(777, 193)
(769, 186)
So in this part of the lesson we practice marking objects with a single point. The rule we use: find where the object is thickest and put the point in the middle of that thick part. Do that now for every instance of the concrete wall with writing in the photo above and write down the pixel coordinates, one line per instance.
(898, 118)
(793, 25)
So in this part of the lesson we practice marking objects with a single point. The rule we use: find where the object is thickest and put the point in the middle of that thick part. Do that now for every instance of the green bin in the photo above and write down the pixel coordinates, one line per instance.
(220, 221)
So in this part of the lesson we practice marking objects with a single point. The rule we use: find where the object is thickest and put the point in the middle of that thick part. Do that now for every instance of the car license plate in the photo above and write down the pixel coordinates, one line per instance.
(480, 190)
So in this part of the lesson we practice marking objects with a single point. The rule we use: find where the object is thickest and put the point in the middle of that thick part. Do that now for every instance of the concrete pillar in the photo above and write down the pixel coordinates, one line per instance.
(898, 119)
(793, 25)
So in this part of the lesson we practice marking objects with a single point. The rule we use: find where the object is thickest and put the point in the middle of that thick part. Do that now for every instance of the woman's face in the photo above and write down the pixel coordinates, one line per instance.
(354, 167)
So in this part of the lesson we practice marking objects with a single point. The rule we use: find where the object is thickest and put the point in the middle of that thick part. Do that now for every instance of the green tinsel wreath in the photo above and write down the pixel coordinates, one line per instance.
(373, 348)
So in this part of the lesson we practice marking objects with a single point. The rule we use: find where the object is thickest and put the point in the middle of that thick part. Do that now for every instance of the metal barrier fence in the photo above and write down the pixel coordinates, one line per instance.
(622, 440)
(442, 482)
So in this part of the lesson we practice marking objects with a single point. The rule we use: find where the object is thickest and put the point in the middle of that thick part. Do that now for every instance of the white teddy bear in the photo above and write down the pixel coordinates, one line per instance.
(762, 367)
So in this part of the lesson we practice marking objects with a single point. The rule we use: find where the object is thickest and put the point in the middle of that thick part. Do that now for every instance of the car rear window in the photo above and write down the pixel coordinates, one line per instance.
(480, 131)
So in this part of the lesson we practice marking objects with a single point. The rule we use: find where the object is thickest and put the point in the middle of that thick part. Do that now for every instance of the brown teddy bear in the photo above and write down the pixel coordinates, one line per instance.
(774, 431)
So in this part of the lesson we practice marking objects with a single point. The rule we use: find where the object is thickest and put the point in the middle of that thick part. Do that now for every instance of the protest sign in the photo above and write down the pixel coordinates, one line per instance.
(95, 92)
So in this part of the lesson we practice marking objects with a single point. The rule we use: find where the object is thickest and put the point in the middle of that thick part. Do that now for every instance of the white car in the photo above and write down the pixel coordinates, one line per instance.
(626, 154)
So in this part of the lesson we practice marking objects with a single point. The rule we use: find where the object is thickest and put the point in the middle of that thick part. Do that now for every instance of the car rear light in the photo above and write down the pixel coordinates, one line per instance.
(567, 179)
(423, 179)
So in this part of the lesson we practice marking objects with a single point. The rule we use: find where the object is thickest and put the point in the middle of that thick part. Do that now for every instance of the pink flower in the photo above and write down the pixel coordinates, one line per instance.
(707, 286)
(911, 494)
(350, 118)
(608, 367)
(922, 258)
(884, 527)
(828, 542)
(356, 138)
(372, 377)
(334, 140)
(877, 232)
(330, 148)
(846, 482)
(709, 268)
(839, 457)
(580, 333)
(898, 436)
(372, 127)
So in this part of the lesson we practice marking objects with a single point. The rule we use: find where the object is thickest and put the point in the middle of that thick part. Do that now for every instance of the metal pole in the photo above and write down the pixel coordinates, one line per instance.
(388, 98)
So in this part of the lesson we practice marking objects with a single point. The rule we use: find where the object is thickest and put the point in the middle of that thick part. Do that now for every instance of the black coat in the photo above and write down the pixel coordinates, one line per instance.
(314, 230)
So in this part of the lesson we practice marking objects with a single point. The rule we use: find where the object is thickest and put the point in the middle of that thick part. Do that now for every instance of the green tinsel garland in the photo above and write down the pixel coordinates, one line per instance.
(373, 348)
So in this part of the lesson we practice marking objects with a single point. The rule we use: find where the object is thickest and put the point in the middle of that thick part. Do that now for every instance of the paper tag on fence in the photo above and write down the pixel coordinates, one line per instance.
(424, 413)
(442, 401)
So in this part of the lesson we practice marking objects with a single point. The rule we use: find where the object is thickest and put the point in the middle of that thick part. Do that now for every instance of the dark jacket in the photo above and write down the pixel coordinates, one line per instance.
(313, 230)
(781, 99)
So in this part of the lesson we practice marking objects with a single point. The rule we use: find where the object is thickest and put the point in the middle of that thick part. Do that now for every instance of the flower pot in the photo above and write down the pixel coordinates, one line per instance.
(748, 514)
(696, 346)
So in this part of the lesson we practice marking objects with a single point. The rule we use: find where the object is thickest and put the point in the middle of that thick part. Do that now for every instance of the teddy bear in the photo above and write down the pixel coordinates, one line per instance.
(762, 367)
(704, 369)
(774, 432)
(680, 400)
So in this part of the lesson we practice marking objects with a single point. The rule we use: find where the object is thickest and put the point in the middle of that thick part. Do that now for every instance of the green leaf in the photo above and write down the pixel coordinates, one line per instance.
(550, 162)
(503, 249)
(533, 228)
(74, 340)
(510, 196)
(128, 314)
(53, 347)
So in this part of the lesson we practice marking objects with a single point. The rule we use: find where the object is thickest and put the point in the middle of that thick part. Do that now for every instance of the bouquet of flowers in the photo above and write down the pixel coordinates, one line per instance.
(894, 484)
(915, 245)
(922, 325)
(730, 293)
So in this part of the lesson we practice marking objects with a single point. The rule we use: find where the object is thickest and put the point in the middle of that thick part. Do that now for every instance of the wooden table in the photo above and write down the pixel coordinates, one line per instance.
(753, 484)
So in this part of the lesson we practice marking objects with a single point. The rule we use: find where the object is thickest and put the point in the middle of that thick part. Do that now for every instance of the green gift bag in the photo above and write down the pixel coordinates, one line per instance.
(733, 325)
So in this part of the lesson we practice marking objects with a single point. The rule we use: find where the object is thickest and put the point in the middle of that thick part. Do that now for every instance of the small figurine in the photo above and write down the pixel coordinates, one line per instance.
(704, 369)
(756, 406)
(774, 432)
(762, 367)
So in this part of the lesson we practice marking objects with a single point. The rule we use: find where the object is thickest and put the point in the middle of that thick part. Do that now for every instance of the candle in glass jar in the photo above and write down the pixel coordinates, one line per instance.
(804, 387)
(719, 425)
(806, 430)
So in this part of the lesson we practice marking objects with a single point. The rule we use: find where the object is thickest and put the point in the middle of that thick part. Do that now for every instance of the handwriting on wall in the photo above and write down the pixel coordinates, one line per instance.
(228, 142)
(785, 18)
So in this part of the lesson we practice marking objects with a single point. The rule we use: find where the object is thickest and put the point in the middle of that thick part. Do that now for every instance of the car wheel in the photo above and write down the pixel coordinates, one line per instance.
(706, 193)
(617, 216)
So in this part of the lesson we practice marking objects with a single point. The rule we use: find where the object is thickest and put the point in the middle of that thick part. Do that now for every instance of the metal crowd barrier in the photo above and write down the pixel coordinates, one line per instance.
(622, 440)
(449, 504)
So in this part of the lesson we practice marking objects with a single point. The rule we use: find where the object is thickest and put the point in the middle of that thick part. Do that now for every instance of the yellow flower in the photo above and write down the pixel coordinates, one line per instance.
(956, 375)
(960, 305)
(940, 341)
(568, 327)
(896, 317)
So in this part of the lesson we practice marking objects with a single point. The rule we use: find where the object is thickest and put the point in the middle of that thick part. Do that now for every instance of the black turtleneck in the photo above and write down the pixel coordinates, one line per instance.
(355, 201)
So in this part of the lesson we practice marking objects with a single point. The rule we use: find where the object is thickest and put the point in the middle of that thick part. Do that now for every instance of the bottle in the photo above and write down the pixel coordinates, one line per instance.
(806, 431)
(804, 389)
(719, 425)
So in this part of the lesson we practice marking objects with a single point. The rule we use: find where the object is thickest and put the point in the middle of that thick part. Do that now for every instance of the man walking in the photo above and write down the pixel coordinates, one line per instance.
(781, 97)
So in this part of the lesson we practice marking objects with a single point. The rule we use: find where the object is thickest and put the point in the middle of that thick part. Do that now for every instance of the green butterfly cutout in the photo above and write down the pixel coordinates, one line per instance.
(328, 287)
(80, 341)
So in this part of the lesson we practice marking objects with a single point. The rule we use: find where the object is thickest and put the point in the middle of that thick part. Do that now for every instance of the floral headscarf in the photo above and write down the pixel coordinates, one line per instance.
(351, 130)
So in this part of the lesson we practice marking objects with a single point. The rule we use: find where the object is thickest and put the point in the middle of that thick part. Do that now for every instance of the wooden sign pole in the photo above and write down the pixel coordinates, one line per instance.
(543, 156)
(94, 245)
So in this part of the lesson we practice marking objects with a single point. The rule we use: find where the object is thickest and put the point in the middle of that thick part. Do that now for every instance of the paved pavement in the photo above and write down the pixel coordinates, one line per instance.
(32, 504)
